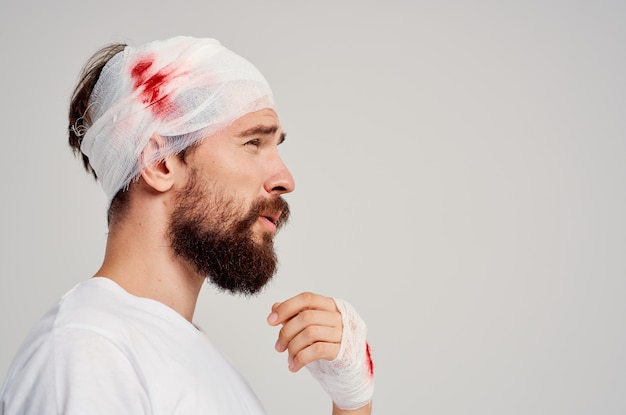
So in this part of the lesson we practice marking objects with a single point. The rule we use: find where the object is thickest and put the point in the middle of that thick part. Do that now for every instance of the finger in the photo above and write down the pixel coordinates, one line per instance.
(284, 311)
(316, 351)
(312, 335)
(305, 319)
(272, 319)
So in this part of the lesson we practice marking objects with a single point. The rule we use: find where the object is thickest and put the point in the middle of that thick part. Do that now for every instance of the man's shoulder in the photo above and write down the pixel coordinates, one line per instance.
(102, 307)
(91, 309)
(98, 319)
(98, 305)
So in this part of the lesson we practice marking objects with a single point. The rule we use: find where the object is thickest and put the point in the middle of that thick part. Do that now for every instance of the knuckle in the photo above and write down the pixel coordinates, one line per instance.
(318, 349)
(298, 360)
(302, 358)
(282, 333)
(291, 348)
(312, 333)
(308, 317)
(305, 317)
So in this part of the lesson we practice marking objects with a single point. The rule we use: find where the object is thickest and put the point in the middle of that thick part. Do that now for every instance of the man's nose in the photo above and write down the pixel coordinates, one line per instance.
(280, 180)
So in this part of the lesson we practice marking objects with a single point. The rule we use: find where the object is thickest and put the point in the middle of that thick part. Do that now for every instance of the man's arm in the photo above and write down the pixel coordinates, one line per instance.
(364, 410)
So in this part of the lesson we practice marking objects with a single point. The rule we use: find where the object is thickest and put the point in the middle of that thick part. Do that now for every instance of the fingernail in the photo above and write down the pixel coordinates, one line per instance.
(272, 318)
(290, 363)
(278, 346)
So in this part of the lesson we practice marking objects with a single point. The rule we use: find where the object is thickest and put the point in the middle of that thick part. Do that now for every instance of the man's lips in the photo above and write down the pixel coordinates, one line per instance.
(273, 219)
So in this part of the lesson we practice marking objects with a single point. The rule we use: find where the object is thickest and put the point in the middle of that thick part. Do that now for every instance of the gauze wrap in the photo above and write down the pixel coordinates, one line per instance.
(170, 88)
(349, 378)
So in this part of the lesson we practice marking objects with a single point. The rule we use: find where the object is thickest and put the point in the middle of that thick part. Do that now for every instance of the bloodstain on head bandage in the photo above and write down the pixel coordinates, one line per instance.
(181, 89)
(153, 86)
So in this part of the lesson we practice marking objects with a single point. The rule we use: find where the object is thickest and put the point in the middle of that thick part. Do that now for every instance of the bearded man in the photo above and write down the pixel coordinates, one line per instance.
(183, 136)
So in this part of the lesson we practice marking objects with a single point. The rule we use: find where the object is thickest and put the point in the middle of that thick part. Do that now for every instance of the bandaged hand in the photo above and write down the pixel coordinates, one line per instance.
(328, 337)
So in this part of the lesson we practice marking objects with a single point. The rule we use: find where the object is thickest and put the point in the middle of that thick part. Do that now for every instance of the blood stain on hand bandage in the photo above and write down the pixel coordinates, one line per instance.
(368, 360)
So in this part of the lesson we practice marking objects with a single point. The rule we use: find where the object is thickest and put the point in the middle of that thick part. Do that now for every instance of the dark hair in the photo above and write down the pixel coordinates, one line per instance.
(80, 119)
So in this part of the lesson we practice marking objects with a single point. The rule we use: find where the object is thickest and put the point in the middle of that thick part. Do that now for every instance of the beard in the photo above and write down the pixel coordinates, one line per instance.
(209, 232)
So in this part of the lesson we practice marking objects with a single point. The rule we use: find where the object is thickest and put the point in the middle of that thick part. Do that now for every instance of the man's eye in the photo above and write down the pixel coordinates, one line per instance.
(255, 142)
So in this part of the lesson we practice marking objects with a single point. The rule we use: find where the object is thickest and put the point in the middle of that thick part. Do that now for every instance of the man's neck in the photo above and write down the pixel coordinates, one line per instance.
(138, 257)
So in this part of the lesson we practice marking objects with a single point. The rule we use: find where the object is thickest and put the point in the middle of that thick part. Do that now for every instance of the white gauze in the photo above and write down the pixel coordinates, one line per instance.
(349, 378)
(170, 88)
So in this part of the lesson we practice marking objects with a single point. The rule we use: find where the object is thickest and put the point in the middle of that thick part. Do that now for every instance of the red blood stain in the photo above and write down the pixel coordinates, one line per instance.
(152, 88)
(368, 360)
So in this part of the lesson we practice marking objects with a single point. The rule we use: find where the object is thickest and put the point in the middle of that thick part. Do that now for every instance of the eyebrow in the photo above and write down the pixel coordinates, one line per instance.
(262, 130)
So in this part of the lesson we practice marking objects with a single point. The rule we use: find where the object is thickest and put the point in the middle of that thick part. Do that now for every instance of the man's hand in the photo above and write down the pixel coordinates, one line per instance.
(311, 329)
(328, 337)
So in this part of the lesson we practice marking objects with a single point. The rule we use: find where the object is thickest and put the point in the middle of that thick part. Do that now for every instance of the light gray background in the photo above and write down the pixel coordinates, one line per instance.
(460, 179)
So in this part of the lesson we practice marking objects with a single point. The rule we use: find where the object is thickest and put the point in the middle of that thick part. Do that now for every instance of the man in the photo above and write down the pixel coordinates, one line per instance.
(182, 134)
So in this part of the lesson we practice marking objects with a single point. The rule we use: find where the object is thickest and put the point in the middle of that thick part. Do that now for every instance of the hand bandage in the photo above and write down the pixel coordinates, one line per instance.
(349, 378)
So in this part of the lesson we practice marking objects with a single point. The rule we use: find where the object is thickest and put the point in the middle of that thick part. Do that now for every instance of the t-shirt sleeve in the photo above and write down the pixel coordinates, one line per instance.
(76, 372)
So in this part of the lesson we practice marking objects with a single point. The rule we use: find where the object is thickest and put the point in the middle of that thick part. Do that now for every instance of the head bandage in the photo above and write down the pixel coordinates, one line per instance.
(181, 89)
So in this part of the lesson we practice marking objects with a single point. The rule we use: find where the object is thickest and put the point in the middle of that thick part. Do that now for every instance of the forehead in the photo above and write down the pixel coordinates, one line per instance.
(254, 124)
(264, 122)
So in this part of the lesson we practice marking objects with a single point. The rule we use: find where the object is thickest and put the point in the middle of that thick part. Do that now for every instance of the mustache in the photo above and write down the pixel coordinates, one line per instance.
(267, 206)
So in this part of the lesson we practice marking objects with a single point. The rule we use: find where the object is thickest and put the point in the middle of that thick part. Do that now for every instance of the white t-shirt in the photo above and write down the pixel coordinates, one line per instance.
(101, 350)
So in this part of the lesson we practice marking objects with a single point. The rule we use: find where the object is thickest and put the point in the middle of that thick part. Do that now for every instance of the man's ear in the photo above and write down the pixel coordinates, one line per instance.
(159, 174)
